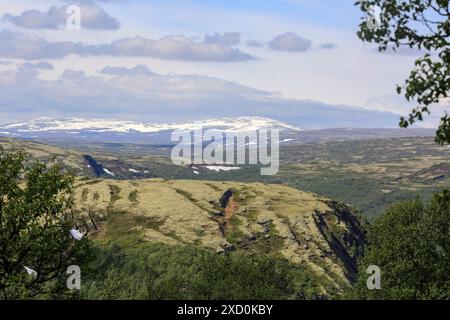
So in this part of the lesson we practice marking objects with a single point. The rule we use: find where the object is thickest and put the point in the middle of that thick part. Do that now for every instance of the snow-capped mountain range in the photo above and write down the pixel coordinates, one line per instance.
(130, 131)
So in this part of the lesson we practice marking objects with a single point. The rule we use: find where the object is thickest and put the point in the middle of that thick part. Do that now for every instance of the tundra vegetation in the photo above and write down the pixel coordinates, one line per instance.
(181, 239)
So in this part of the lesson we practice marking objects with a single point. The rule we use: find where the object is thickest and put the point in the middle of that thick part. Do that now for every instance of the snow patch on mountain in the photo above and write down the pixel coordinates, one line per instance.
(109, 172)
(222, 168)
(77, 125)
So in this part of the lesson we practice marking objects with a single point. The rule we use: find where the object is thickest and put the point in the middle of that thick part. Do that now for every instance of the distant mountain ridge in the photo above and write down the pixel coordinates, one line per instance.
(81, 130)
(74, 125)
(77, 125)
(131, 131)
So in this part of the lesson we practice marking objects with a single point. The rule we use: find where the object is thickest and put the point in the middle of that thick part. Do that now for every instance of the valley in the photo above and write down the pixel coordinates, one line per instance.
(370, 174)
(312, 214)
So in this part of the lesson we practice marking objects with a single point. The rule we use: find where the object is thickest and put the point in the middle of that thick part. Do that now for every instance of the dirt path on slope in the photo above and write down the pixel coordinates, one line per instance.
(230, 210)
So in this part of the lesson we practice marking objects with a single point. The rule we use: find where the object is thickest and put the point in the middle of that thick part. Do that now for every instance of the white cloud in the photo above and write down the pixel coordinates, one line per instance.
(290, 41)
(255, 43)
(133, 94)
(31, 46)
(92, 17)
(346, 76)
(137, 70)
(176, 48)
(42, 65)
(70, 74)
(328, 46)
(228, 38)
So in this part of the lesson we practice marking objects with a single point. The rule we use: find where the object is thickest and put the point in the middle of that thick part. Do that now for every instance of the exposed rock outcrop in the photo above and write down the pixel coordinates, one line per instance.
(346, 243)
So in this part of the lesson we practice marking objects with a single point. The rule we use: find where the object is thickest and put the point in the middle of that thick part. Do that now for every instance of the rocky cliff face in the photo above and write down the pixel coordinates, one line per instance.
(253, 218)
(346, 243)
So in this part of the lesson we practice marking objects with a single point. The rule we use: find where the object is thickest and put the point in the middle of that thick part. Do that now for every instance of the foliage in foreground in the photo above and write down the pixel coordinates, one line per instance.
(158, 271)
(411, 245)
(422, 25)
(34, 229)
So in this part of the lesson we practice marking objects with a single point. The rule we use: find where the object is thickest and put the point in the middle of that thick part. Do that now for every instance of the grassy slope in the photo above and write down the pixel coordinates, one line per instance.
(368, 174)
(273, 220)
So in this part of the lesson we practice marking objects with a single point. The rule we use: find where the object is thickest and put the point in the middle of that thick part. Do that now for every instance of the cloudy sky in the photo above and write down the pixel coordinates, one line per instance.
(169, 60)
